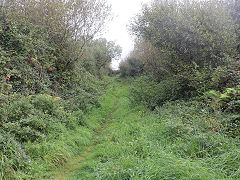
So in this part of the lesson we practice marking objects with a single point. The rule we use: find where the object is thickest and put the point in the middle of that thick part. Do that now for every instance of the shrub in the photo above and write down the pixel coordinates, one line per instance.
(44, 88)
(12, 154)
(25, 57)
(228, 102)
(151, 93)
(188, 41)
(186, 32)
(31, 119)
(46, 103)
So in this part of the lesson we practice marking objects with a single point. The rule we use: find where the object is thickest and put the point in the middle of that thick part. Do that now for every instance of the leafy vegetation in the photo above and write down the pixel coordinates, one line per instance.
(173, 113)
(190, 79)
(186, 52)
(186, 41)
(46, 89)
(179, 140)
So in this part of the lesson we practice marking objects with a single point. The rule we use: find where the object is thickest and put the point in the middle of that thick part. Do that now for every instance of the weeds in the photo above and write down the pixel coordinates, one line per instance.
(180, 140)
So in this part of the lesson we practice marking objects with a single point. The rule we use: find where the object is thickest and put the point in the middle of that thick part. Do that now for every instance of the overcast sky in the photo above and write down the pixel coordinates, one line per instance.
(123, 11)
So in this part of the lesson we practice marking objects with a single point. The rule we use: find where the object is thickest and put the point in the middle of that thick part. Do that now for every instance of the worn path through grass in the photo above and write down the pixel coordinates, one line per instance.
(132, 142)
(103, 114)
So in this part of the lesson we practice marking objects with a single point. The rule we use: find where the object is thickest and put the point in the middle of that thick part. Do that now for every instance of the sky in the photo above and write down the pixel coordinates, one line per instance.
(123, 11)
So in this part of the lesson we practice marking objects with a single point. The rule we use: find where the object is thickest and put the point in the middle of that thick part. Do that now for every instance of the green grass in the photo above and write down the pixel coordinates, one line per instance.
(120, 140)
(94, 123)
(68, 137)
(174, 142)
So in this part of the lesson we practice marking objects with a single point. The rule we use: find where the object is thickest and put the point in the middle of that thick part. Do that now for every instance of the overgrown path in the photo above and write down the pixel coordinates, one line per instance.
(131, 142)
(104, 115)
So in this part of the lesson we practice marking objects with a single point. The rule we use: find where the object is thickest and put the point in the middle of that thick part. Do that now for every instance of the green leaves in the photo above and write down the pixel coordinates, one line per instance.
(98, 56)
(152, 94)
(185, 32)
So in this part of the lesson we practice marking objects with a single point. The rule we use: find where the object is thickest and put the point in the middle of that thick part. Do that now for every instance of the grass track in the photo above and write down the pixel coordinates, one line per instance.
(103, 115)
(134, 143)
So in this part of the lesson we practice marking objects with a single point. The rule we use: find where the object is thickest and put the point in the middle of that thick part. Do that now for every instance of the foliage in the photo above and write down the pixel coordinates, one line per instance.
(150, 58)
(152, 94)
(34, 120)
(44, 94)
(52, 71)
(179, 140)
(192, 42)
(131, 67)
(99, 55)
(25, 57)
(70, 24)
(228, 101)
(84, 92)
(192, 31)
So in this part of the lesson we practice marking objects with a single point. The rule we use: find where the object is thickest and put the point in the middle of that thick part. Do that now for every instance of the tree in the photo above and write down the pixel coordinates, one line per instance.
(69, 23)
(187, 32)
(150, 57)
(188, 42)
(131, 67)
(99, 55)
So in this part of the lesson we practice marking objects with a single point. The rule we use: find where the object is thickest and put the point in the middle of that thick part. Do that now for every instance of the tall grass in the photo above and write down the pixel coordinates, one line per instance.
(39, 134)
(180, 140)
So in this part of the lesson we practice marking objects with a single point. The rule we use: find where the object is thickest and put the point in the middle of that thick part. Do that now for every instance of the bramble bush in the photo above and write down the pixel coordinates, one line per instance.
(40, 104)
(227, 102)
(32, 119)
(25, 57)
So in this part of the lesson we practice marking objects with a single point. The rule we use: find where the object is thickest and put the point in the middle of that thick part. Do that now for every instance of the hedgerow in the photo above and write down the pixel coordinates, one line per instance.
(42, 103)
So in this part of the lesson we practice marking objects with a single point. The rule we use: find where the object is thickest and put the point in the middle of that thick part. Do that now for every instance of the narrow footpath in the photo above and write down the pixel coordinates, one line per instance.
(105, 114)
(132, 142)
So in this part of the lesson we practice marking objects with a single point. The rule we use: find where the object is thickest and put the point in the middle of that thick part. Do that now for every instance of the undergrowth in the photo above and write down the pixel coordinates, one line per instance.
(41, 132)
(179, 140)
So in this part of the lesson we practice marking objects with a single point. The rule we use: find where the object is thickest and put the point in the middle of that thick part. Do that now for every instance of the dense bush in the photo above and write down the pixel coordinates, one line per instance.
(147, 91)
(227, 102)
(192, 42)
(188, 31)
(26, 57)
(70, 24)
(150, 93)
(192, 81)
(45, 90)
(33, 119)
